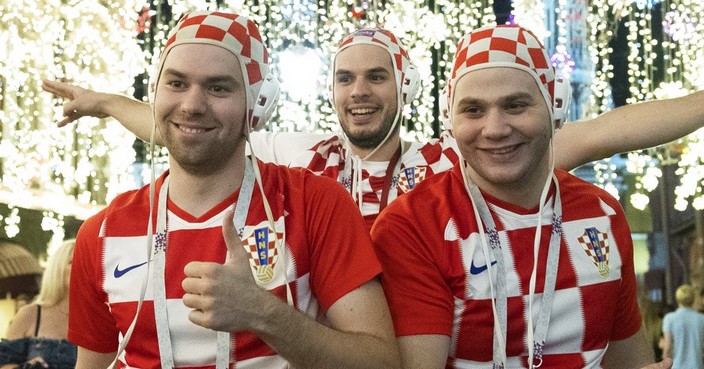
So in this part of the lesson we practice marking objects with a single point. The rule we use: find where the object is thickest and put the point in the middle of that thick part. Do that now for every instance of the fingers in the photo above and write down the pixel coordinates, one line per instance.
(229, 233)
(59, 89)
(70, 115)
(67, 92)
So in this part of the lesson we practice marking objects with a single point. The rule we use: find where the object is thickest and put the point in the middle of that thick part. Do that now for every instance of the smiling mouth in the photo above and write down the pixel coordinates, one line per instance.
(364, 111)
(191, 130)
(502, 150)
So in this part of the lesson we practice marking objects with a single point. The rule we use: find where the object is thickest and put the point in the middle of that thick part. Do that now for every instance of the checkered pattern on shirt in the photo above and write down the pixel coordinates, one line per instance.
(272, 251)
(233, 32)
(329, 158)
(453, 298)
(504, 46)
(384, 39)
(597, 254)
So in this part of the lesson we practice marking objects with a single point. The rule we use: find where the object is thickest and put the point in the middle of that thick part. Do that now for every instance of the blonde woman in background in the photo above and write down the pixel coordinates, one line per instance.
(36, 337)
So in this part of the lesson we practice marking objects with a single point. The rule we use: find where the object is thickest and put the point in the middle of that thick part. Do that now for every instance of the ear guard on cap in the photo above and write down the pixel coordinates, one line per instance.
(410, 85)
(151, 84)
(265, 104)
(444, 108)
(561, 104)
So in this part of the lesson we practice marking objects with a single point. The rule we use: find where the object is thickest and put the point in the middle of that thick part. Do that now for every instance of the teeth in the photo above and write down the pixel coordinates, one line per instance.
(192, 130)
(362, 111)
(503, 150)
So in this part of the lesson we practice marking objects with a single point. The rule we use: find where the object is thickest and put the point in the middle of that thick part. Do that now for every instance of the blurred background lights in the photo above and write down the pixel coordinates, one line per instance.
(300, 67)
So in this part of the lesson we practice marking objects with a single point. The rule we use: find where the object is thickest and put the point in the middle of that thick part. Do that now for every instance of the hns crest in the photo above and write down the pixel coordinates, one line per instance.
(596, 245)
(263, 253)
(410, 177)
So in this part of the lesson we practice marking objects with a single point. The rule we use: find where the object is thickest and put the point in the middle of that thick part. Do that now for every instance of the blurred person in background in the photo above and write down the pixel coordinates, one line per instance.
(683, 332)
(36, 337)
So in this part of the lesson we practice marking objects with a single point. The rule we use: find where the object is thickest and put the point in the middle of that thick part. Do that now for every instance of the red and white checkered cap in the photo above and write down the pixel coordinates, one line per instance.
(509, 46)
(233, 32)
(387, 41)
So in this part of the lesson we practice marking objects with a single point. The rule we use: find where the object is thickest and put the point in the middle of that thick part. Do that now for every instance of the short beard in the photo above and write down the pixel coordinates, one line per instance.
(371, 140)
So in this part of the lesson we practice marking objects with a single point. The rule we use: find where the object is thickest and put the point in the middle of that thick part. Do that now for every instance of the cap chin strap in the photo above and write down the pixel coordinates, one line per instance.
(150, 243)
(356, 175)
(536, 334)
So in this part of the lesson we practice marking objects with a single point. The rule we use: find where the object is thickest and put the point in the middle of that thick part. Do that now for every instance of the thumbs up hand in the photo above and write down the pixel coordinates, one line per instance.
(224, 297)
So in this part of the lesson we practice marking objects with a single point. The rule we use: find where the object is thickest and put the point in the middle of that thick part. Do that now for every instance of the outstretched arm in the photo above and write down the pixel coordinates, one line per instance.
(628, 128)
(135, 115)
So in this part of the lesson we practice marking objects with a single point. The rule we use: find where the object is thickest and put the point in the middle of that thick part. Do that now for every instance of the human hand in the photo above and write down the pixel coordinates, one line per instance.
(224, 297)
(79, 101)
(664, 364)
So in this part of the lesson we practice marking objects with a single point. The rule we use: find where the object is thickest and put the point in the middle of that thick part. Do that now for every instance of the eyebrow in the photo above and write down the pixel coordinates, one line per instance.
(212, 79)
(511, 97)
(368, 71)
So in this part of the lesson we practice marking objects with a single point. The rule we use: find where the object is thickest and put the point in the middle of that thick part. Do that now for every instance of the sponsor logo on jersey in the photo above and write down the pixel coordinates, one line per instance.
(596, 245)
(475, 270)
(117, 273)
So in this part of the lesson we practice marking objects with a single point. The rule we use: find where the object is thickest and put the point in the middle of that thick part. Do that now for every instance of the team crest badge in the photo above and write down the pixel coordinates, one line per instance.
(596, 245)
(410, 177)
(263, 253)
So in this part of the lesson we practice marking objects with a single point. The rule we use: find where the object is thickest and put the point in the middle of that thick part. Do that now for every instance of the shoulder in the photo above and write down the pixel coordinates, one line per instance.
(435, 197)
(23, 323)
(576, 192)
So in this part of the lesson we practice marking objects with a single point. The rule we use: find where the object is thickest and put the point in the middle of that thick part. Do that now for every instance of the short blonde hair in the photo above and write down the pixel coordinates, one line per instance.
(54, 289)
(685, 295)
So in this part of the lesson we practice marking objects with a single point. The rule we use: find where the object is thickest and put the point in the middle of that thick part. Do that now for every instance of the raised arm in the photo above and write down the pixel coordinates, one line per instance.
(628, 128)
(135, 115)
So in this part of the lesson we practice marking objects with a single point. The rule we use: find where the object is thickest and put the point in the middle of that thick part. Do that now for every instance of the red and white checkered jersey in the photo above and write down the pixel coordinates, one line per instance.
(330, 158)
(322, 265)
(436, 278)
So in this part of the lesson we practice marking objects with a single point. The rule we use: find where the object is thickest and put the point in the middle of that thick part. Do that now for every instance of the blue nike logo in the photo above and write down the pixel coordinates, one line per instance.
(474, 270)
(119, 273)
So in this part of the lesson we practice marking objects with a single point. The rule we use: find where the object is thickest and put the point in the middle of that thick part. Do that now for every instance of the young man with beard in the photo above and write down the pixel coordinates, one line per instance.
(518, 265)
(372, 80)
(243, 260)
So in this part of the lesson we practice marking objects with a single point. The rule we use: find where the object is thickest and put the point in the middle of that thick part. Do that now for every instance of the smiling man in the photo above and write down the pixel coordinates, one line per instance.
(372, 80)
(244, 266)
(518, 265)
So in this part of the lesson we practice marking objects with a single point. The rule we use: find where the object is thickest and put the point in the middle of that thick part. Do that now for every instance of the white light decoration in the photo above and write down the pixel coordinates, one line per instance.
(62, 171)
(683, 48)
(76, 170)
(300, 67)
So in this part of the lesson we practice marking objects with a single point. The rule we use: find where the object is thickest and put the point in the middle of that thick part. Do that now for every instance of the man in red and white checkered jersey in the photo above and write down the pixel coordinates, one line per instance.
(518, 265)
(370, 84)
(245, 265)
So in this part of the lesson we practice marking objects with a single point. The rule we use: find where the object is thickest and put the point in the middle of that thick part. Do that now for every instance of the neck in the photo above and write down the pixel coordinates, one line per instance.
(197, 193)
(525, 193)
(384, 153)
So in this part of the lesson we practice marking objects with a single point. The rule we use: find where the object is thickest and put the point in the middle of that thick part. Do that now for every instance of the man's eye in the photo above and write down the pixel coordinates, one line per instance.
(516, 106)
(175, 84)
(471, 110)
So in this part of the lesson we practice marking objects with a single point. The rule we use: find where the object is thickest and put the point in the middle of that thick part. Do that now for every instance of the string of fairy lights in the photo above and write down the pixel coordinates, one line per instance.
(110, 45)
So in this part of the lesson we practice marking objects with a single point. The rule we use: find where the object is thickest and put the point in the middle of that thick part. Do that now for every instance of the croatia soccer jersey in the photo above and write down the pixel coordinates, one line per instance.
(436, 277)
(320, 263)
(331, 158)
